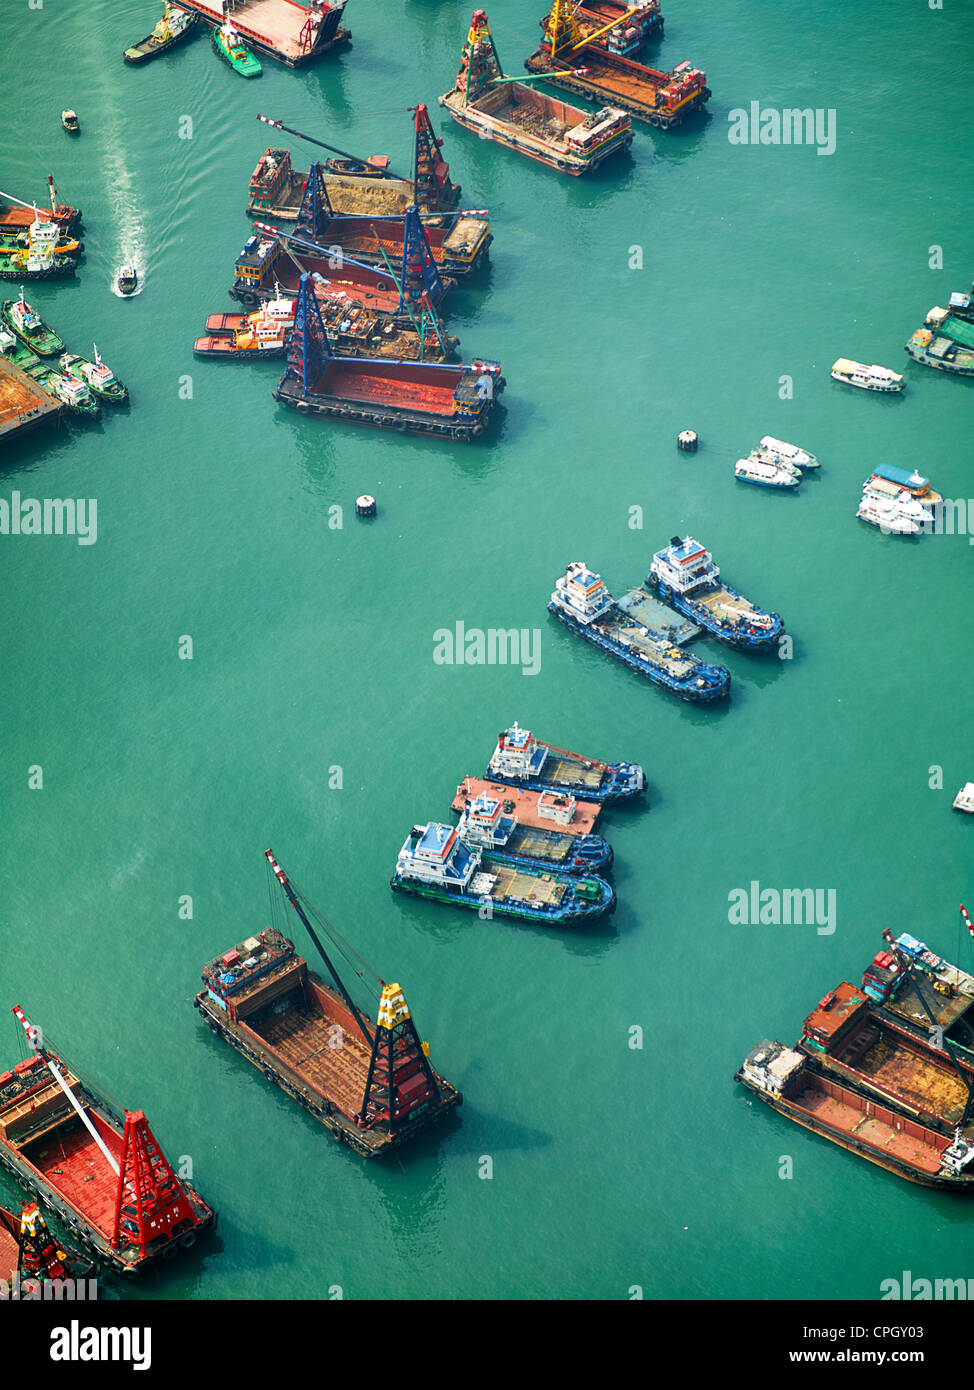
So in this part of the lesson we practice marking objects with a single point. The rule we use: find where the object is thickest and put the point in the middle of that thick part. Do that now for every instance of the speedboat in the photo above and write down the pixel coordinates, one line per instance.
(772, 450)
(898, 516)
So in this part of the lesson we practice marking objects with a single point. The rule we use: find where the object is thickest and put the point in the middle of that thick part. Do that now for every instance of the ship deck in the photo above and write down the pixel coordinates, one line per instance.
(658, 649)
(924, 1081)
(514, 884)
(872, 1125)
(302, 1037)
(529, 110)
(397, 390)
(273, 24)
(540, 844)
(648, 611)
(906, 1002)
(613, 77)
(24, 403)
(526, 806)
(70, 1161)
(559, 769)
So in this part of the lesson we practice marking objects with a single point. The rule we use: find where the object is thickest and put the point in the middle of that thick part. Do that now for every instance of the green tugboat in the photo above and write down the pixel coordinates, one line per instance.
(229, 45)
(101, 380)
(69, 390)
(29, 327)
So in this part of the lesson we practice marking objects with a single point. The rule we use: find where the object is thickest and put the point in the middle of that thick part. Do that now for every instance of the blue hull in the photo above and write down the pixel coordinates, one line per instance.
(609, 791)
(717, 678)
(593, 858)
(576, 910)
(764, 641)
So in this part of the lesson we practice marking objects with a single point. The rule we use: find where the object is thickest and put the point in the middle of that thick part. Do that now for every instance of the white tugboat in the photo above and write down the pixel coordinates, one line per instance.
(490, 824)
(99, 377)
(127, 280)
(685, 577)
(771, 450)
(766, 474)
(872, 378)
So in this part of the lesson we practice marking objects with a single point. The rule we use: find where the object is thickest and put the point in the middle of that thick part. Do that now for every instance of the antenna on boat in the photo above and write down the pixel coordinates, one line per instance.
(292, 897)
(34, 1038)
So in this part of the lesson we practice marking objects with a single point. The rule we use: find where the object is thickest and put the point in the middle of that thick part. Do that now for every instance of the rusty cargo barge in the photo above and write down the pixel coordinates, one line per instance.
(369, 1082)
(24, 403)
(286, 30)
(662, 99)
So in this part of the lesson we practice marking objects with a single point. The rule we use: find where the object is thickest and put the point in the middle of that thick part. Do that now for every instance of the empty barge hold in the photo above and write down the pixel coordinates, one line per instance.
(660, 98)
(789, 1082)
(524, 761)
(102, 1173)
(28, 1250)
(527, 120)
(582, 602)
(289, 31)
(490, 823)
(435, 398)
(370, 1083)
(685, 577)
(434, 862)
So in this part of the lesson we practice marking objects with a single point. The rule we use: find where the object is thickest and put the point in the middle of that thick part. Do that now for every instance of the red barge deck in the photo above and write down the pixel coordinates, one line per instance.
(285, 30)
(583, 818)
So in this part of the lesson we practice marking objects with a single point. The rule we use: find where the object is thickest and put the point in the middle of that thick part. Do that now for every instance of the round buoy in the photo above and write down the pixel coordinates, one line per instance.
(365, 505)
(687, 441)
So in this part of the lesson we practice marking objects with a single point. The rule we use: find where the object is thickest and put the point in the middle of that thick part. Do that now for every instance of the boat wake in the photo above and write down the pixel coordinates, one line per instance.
(127, 214)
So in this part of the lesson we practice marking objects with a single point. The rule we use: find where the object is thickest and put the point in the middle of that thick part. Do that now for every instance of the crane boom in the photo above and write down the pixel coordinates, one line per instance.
(288, 130)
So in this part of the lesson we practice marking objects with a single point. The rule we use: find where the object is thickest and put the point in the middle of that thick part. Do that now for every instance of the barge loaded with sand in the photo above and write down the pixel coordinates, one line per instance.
(685, 577)
(101, 1172)
(290, 31)
(525, 119)
(369, 1082)
(436, 863)
(453, 401)
(522, 760)
(661, 99)
(582, 602)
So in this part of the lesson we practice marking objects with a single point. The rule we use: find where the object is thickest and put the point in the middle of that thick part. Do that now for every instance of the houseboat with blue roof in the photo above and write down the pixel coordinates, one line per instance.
(490, 823)
(685, 577)
(522, 760)
(436, 863)
(582, 602)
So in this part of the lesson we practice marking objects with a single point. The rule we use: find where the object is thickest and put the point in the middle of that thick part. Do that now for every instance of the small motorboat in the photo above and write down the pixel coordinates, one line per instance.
(127, 280)
(69, 120)
(375, 167)
(174, 26)
(762, 474)
(773, 450)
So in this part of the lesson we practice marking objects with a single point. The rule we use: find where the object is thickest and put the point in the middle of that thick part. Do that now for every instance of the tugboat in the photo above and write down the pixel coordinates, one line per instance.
(434, 862)
(100, 378)
(127, 280)
(264, 333)
(370, 1083)
(526, 120)
(71, 391)
(101, 1172)
(867, 378)
(174, 26)
(789, 1081)
(765, 473)
(941, 353)
(582, 602)
(771, 450)
(524, 761)
(28, 1252)
(230, 47)
(685, 577)
(491, 824)
(70, 122)
(42, 257)
(29, 327)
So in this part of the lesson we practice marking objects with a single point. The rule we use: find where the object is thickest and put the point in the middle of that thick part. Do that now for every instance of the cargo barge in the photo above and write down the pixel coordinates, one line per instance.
(525, 761)
(453, 401)
(435, 863)
(618, 26)
(370, 1083)
(276, 189)
(923, 994)
(940, 352)
(541, 809)
(685, 577)
(288, 31)
(102, 1173)
(16, 216)
(582, 602)
(24, 403)
(490, 823)
(788, 1081)
(525, 119)
(28, 1251)
(662, 99)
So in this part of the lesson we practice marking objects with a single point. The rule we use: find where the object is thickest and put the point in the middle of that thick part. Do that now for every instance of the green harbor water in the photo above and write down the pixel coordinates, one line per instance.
(613, 1166)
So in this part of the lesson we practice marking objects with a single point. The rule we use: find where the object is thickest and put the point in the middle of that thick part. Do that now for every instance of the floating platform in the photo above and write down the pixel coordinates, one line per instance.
(281, 29)
(581, 820)
(24, 403)
(647, 610)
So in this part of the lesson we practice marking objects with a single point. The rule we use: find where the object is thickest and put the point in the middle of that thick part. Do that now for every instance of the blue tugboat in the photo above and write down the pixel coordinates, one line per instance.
(435, 863)
(524, 761)
(583, 603)
(684, 576)
(488, 823)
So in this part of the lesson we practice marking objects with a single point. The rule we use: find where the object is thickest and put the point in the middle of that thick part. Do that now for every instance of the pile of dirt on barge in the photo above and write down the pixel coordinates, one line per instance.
(370, 1083)
(661, 99)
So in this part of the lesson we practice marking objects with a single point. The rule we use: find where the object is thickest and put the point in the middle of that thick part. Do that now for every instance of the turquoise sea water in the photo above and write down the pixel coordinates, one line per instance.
(612, 1167)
